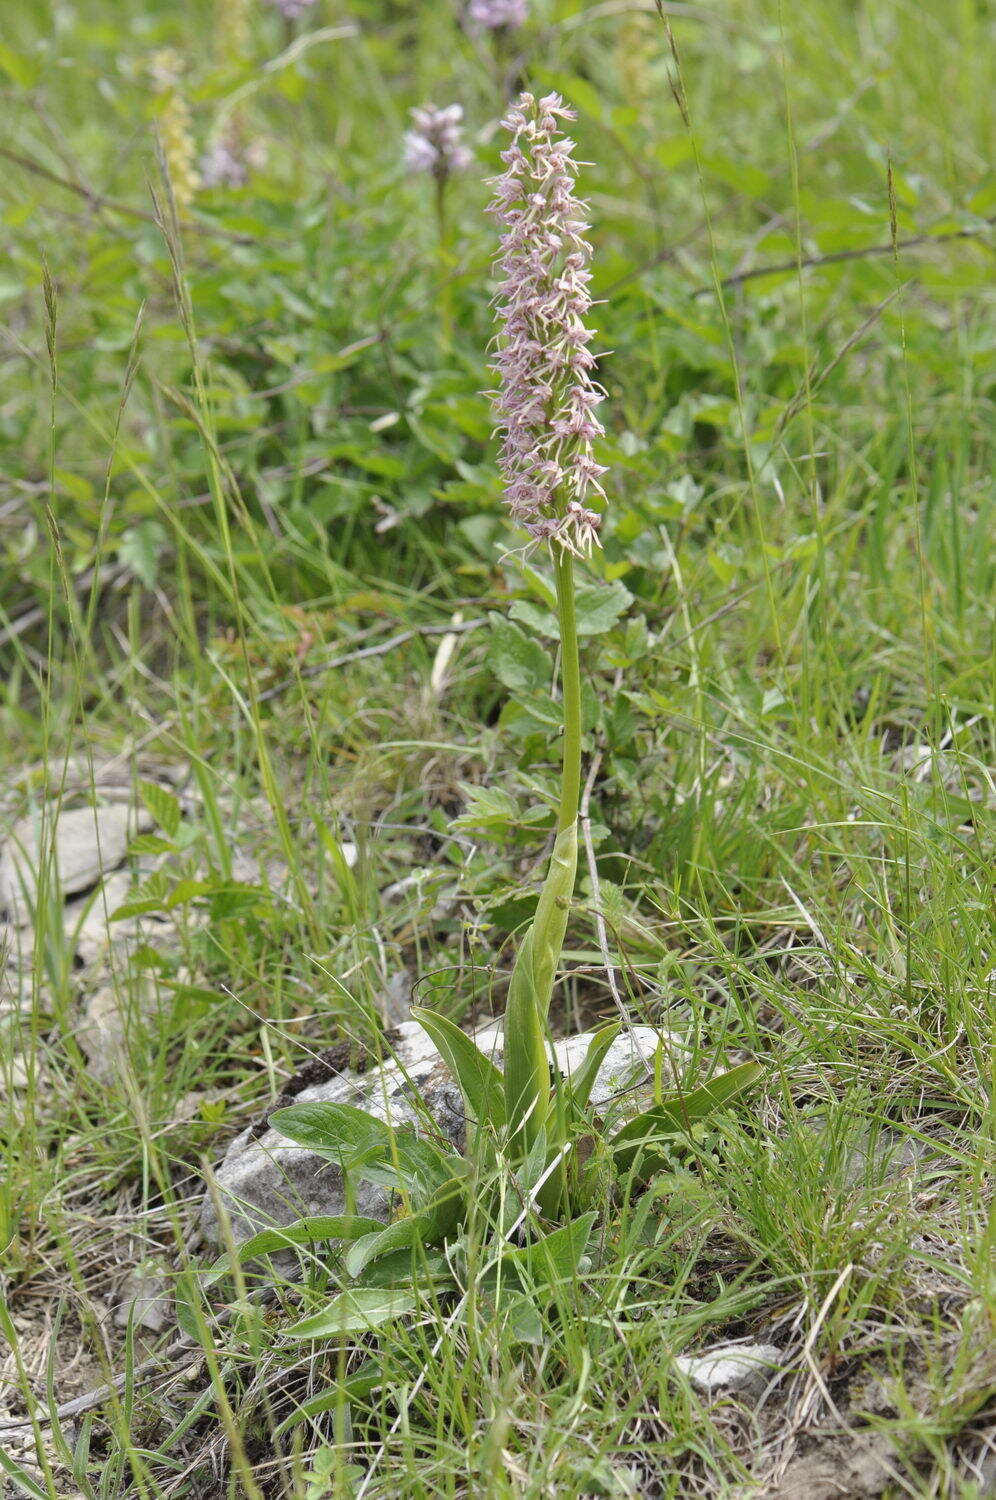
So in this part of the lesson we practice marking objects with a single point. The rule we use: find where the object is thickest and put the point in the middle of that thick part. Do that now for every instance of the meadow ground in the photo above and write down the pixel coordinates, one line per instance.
(255, 577)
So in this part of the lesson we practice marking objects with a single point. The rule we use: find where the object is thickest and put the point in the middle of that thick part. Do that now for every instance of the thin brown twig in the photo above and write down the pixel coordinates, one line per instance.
(377, 650)
(837, 257)
(99, 201)
(109, 573)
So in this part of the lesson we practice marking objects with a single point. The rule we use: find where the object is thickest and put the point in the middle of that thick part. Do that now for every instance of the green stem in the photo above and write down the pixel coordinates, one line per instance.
(570, 676)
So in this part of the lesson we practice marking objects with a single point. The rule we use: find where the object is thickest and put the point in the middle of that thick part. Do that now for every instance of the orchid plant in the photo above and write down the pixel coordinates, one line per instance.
(524, 1119)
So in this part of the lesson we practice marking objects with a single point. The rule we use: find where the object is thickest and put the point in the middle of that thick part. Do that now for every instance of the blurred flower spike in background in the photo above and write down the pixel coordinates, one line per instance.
(435, 141)
(491, 15)
(292, 10)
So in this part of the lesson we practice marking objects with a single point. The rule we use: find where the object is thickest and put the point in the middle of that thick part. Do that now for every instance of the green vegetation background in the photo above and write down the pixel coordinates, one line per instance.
(238, 457)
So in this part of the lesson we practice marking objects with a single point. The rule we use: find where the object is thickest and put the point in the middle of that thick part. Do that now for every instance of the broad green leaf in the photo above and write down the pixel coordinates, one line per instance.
(676, 1116)
(416, 1166)
(309, 1231)
(600, 607)
(480, 1081)
(523, 1321)
(429, 1226)
(554, 1258)
(140, 549)
(337, 1131)
(429, 1268)
(517, 660)
(355, 1387)
(579, 1086)
(20, 1477)
(163, 806)
(357, 1310)
(491, 808)
(19, 69)
(527, 1071)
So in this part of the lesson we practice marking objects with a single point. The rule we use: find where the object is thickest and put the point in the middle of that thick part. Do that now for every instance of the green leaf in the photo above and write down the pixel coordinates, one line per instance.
(139, 550)
(676, 1116)
(355, 1387)
(310, 1231)
(337, 1131)
(19, 69)
(357, 1310)
(554, 1258)
(599, 608)
(518, 661)
(579, 1086)
(163, 806)
(523, 1321)
(413, 1165)
(480, 1081)
(429, 1226)
(491, 808)
(401, 1268)
(527, 1071)
(150, 843)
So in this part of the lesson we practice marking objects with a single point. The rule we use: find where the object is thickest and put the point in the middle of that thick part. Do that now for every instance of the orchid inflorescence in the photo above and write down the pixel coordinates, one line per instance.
(434, 143)
(491, 15)
(547, 401)
(523, 1169)
(223, 164)
(292, 10)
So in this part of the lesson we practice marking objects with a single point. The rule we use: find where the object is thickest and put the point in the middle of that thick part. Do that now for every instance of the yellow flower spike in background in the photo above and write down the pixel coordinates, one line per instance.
(174, 127)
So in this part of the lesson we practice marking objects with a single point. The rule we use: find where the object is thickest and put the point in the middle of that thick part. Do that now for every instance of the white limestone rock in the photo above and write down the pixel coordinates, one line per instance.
(742, 1370)
(266, 1180)
(89, 841)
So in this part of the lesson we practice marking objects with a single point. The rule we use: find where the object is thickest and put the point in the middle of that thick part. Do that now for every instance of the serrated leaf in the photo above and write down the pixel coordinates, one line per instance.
(150, 843)
(518, 661)
(139, 908)
(599, 608)
(163, 806)
(188, 890)
(487, 807)
(357, 1310)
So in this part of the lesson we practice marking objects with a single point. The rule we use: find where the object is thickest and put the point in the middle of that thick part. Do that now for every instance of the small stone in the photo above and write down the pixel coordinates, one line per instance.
(87, 921)
(88, 842)
(145, 1295)
(110, 1016)
(732, 1369)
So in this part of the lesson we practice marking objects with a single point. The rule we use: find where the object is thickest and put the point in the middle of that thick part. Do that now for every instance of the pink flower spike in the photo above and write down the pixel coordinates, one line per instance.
(434, 143)
(545, 407)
